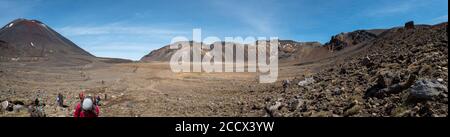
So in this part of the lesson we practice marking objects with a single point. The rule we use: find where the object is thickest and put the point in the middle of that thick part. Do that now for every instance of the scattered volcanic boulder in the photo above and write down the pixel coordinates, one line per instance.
(427, 90)
(409, 25)
(4, 105)
(32, 41)
(401, 72)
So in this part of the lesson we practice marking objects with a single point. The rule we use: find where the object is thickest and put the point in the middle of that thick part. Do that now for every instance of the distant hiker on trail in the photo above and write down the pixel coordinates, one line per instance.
(97, 100)
(286, 84)
(37, 109)
(60, 100)
(81, 96)
(86, 108)
(36, 102)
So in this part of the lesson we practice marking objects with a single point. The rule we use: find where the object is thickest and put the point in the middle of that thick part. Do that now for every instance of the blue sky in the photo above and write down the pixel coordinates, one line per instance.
(132, 28)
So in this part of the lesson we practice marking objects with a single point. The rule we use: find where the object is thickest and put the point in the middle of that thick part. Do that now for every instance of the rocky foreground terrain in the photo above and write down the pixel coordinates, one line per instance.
(398, 72)
(403, 72)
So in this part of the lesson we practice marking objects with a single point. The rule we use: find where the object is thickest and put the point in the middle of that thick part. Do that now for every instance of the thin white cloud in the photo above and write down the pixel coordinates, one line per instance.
(120, 47)
(395, 7)
(392, 9)
(130, 41)
(114, 29)
(440, 19)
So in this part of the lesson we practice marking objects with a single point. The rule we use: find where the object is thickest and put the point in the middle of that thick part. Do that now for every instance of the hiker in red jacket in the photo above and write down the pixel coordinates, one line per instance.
(81, 96)
(86, 108)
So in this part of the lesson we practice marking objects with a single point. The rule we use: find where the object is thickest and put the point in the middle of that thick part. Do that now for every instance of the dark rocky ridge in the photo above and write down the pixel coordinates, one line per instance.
(403, 72)
(299, 52)
(288, 51)
(343, 40)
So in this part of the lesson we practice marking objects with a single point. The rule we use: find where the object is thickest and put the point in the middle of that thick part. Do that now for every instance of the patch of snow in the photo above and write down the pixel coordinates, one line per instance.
(43, 25)
(15, 59)
(31, 43)
(10, 25)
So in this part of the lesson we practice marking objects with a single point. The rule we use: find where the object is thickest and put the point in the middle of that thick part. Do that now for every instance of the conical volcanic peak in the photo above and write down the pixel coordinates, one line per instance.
(32, 40)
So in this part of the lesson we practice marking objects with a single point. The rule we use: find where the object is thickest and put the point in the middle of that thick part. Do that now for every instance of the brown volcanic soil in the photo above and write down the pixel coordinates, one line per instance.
(135, 89)
(341, 81)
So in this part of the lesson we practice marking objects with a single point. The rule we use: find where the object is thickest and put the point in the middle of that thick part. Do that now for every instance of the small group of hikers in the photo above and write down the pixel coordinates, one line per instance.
(36, 109)
(87, 107)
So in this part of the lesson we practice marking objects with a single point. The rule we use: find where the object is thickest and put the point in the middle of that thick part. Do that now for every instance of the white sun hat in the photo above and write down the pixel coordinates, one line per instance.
(87, 104)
